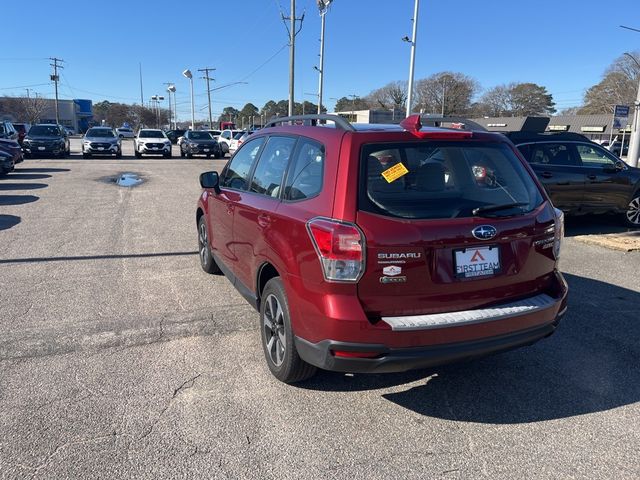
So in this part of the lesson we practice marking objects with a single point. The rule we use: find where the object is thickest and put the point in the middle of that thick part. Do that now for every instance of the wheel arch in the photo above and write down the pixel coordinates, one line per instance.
(265, 273)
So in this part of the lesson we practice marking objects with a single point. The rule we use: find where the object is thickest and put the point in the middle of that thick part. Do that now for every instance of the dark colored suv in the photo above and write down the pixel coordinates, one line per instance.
(197, 142)
(382, 248)
(581, 176)
(47, 139)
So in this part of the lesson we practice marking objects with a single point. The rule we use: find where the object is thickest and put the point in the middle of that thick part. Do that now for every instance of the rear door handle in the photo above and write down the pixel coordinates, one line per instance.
(546, 174)
(264, 220)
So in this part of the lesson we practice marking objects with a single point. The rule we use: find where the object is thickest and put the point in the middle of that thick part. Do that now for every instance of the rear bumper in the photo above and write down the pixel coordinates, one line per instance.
(387, 360)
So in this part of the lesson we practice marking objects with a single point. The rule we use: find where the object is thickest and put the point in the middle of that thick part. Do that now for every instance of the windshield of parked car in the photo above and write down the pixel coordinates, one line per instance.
(100, 132)
(45, 130)
(238, 135)
(445, 180)
(151, 134)
(200, 136)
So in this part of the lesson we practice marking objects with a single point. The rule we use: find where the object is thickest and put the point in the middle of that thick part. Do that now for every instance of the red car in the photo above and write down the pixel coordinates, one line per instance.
(383, 248)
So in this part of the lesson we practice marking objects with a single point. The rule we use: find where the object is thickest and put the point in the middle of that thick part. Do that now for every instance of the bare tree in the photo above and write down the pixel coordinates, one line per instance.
(33, 108)
(392, 95)
(516, 99)
(496, 101)
(447, 93)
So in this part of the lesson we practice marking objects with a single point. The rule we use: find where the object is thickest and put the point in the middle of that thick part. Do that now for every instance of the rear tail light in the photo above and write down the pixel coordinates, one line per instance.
(340, 248)
(558, 233)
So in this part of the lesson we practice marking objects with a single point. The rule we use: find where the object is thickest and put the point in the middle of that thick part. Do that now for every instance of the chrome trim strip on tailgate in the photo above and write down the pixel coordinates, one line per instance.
(466, 317)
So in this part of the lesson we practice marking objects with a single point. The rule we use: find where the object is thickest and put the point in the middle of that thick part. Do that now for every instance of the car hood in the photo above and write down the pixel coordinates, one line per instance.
(153, 139)
(43, 137)
(203, 142)
(101, 139)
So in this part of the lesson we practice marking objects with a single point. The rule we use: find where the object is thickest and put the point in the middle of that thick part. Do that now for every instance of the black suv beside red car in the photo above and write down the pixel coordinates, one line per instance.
(580, 176)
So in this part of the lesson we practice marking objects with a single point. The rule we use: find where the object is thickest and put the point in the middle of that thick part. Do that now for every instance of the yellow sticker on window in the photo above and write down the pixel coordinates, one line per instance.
(395, 172)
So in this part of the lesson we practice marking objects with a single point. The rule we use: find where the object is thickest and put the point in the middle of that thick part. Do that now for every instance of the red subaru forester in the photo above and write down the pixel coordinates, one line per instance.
(383, 248)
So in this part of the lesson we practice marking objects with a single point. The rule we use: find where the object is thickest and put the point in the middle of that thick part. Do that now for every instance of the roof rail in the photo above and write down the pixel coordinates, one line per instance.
(312, 120)
(460, 123)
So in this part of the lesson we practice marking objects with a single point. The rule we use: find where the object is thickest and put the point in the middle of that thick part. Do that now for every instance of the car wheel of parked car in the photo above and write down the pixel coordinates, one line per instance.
(119, 154)
(167, 155)
(138, 154)
(181, 152)
(277, 337)
(86, 155)
(189, 155)
(207, 262)
(632, 215)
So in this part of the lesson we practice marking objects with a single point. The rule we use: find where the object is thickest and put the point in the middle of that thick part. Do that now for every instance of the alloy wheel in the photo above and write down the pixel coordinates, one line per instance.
(202, 240)
(633, 212)
(274, 332)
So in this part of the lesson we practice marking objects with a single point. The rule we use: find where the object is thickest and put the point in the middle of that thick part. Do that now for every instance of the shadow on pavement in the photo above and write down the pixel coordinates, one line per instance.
(594, 225)
(95, 257)
(589, 365)
(27, 176)
(22, 186)
(17, 199)
(8, 221)
(41, 170)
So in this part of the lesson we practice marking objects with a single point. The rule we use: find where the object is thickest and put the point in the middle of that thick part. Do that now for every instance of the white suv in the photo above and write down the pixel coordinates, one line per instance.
(125, 132)
(152, 142)
(225, 139)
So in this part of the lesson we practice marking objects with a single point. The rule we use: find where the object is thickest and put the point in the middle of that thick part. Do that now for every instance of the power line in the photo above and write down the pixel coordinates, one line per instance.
(207, 78)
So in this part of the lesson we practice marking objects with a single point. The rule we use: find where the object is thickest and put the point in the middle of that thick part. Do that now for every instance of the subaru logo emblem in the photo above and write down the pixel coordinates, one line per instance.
(484, 232)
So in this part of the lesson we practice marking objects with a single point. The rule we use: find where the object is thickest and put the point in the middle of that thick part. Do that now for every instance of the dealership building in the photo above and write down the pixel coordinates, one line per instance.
(76, 114)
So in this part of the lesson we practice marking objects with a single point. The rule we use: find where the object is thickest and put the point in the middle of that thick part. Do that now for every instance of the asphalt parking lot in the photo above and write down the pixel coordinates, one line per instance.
(120, 358)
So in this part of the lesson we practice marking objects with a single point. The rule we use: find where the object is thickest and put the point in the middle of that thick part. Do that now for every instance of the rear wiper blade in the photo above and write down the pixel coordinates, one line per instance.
(493, 208)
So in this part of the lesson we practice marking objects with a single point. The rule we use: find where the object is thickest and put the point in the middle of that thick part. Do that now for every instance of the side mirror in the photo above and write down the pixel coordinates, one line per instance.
(619, 166)
(210, 180)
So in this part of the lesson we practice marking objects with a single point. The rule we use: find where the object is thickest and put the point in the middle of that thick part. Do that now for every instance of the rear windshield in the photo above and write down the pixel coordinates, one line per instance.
(438, 180)
(45, 130)
(100, 132)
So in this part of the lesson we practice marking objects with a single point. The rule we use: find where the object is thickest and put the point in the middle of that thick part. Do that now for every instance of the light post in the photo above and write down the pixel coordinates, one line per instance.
(634, 138)
(413, 56)
(323, 6)
(187, 74)
(172, 89)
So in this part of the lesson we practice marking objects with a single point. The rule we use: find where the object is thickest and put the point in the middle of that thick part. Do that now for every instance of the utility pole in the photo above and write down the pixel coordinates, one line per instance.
(323, 5)
(413, 57)
(292, 49)
(207, 78)
(56, 78)
(141, 96)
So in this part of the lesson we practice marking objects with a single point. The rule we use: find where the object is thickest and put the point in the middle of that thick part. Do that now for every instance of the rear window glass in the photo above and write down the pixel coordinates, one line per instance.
(438, 180)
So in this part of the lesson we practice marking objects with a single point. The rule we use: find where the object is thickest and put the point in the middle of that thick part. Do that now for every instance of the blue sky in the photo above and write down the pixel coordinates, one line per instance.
(564, 45)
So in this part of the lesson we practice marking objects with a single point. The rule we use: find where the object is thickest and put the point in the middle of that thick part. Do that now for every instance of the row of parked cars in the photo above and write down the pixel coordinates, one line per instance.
(382, 248)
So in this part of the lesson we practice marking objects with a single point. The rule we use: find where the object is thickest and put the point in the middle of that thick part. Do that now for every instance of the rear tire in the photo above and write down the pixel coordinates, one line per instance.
(277, 336)
(207, 262)
(632, 215)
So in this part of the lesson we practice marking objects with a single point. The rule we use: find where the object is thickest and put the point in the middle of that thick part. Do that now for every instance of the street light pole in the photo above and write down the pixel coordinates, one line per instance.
(187, 73)
(634, 138)
(323, 5)
(413, 57)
